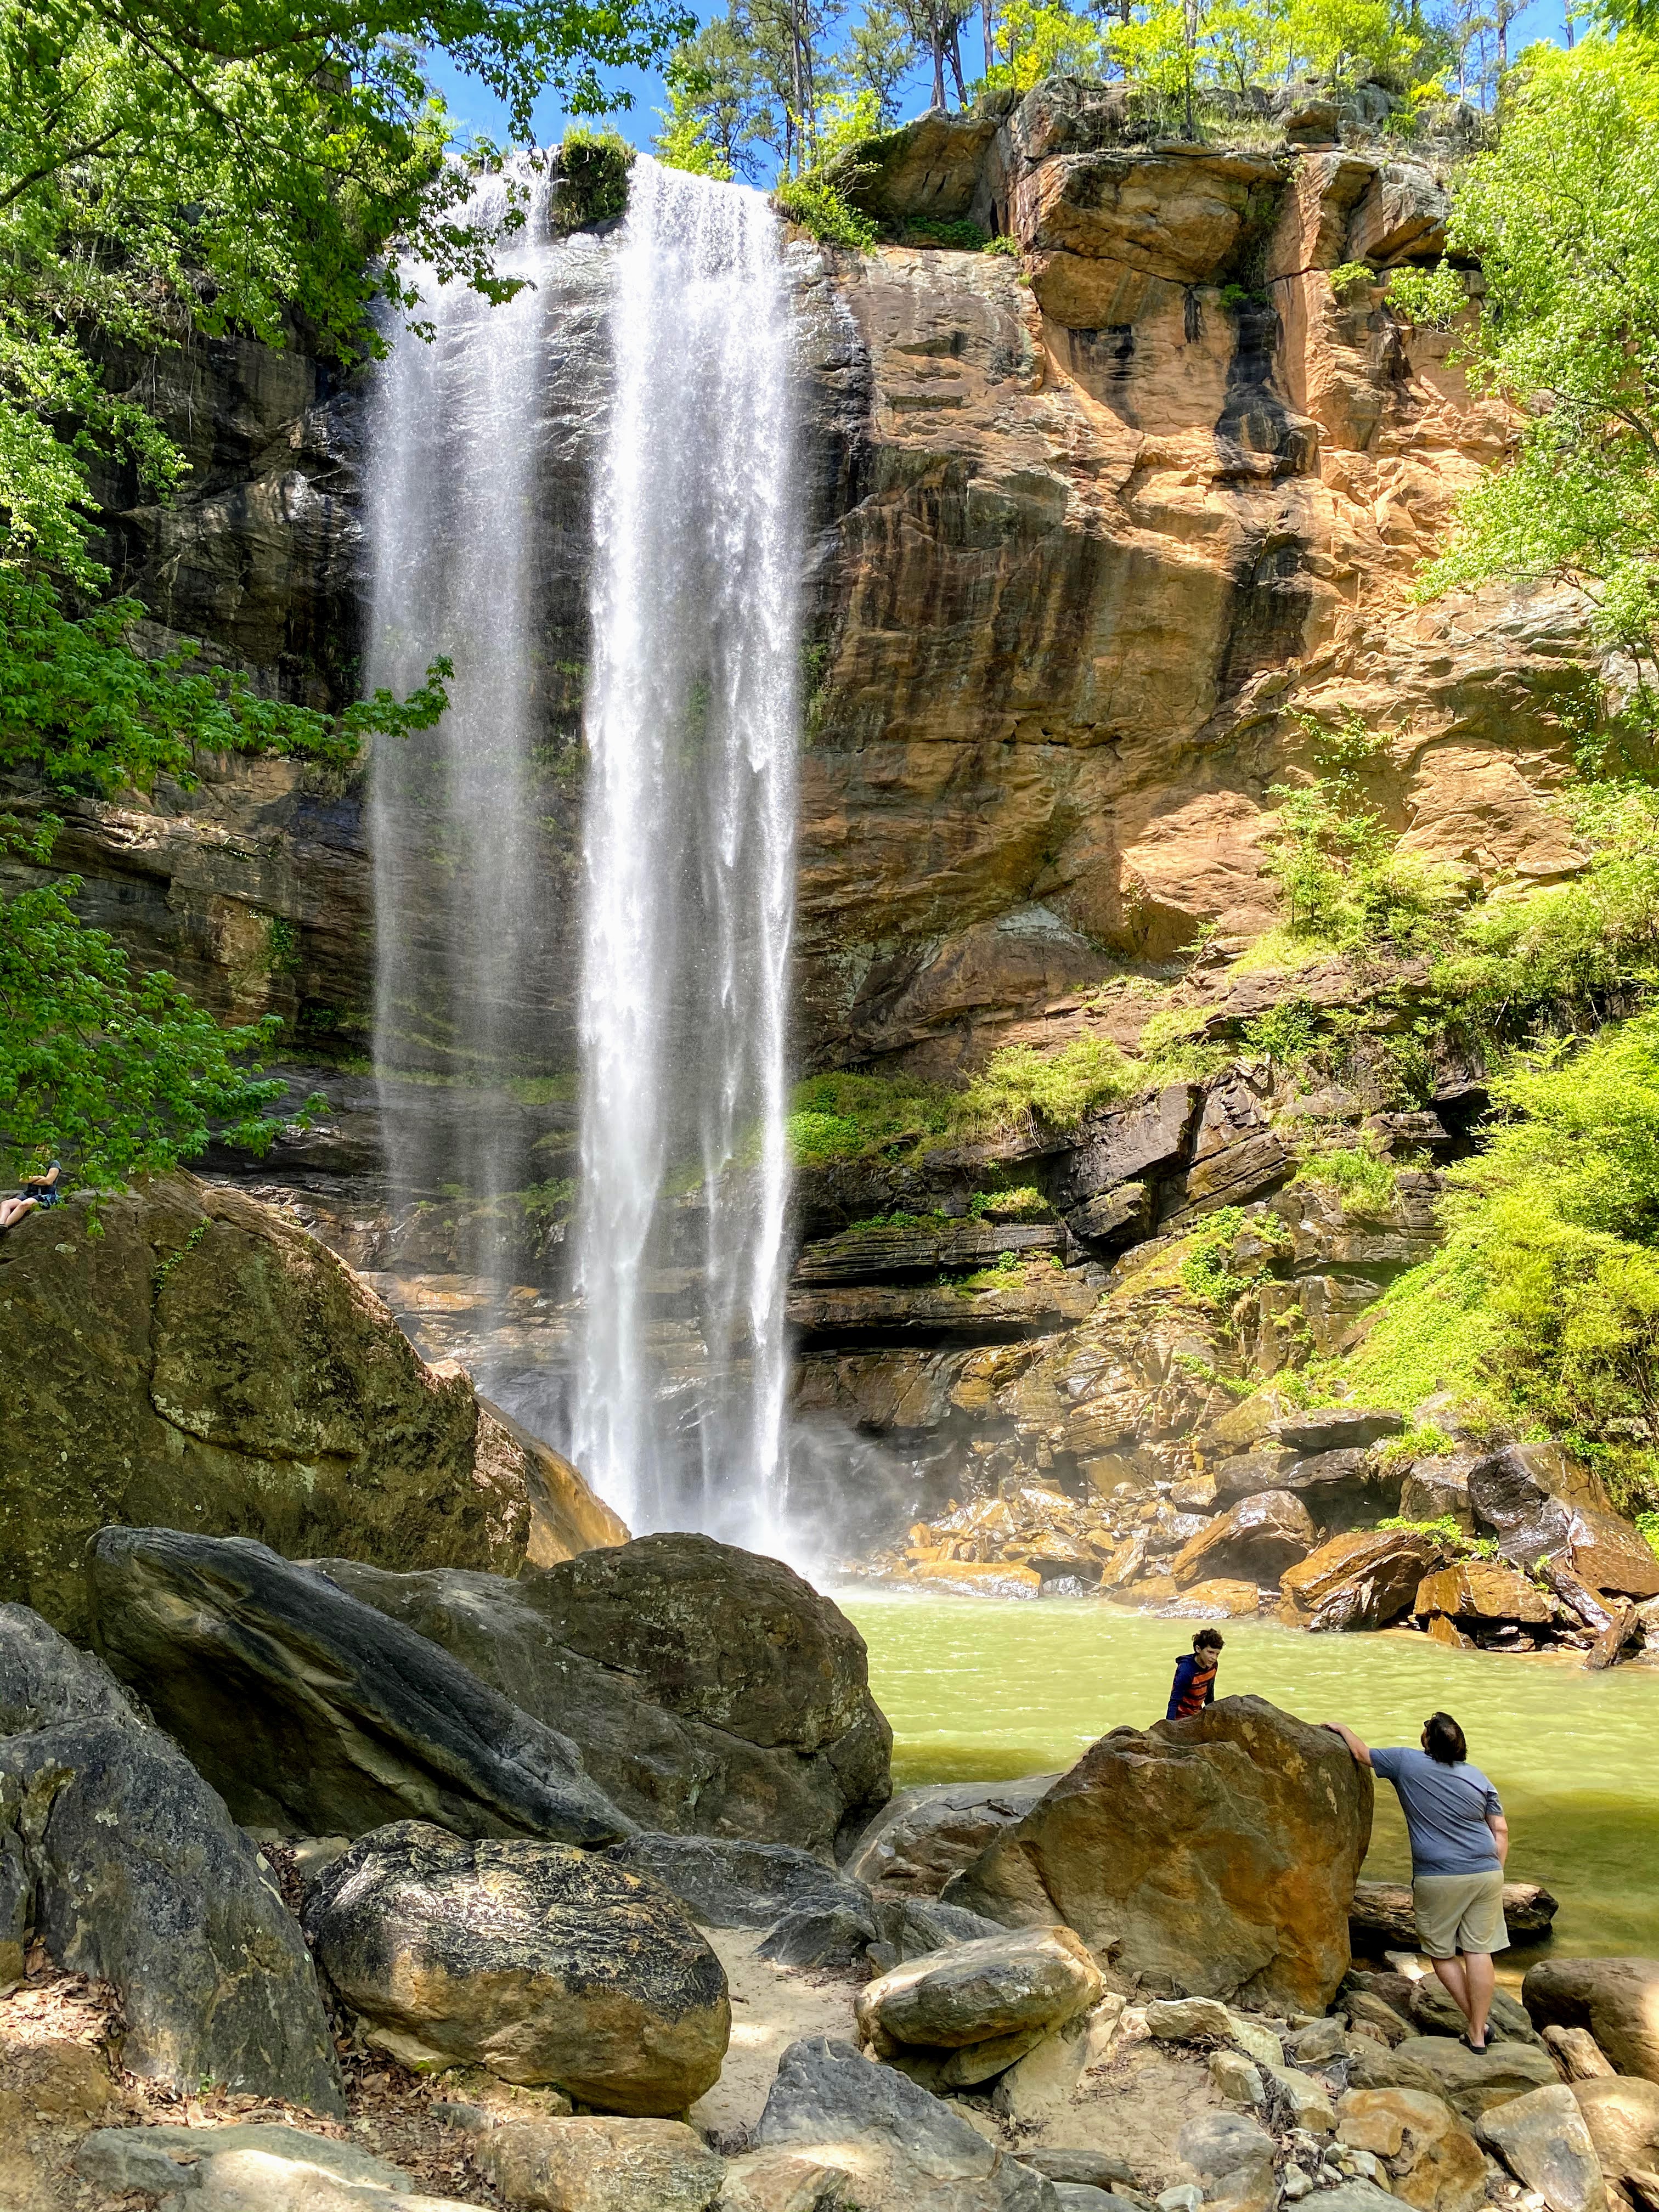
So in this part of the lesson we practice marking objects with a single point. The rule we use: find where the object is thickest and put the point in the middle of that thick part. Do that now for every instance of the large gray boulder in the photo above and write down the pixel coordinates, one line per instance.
(118, 1856)
(545, 1964)
(314, 1713)
(1622, 2112)
(904, 2149)
(711, 1690)
(733, 1885)
(1538, 1505)
(916, 1844)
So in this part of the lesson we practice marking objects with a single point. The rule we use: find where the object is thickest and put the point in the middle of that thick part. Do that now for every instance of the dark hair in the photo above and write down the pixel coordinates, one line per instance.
(1444, 1741)
(1208, 1639)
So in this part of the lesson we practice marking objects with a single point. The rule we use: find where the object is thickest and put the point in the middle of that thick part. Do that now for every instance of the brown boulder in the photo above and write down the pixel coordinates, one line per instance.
(203, 1364)
(1214, 1857)
(1357, 1581)
(1616, 1999)
(1259, 1536)
(1483, 1589)
(1622, 2112)
(1433, 2162)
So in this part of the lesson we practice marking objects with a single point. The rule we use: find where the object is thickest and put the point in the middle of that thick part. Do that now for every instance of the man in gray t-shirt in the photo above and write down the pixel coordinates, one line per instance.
(1460, 1839)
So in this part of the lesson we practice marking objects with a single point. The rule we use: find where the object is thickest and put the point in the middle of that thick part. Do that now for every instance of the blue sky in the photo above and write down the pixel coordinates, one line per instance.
(474, 108)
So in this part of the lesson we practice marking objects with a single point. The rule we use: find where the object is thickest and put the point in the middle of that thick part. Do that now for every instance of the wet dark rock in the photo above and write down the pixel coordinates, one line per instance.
(1337, 1428)
(723, 1884)
(1362, 1580)
(315, 1714)
(1539, 1507)
(1114, 1218)
(1126, 1145)
(545, 1964)
(928, 1834)
(118, 1856)
(708, 1689)
(1342, 1488)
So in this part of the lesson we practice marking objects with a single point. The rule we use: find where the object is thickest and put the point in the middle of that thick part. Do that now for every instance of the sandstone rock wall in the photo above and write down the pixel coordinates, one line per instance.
(1093, 526)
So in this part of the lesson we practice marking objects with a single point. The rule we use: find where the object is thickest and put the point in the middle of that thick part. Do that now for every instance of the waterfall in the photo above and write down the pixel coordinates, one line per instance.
(450, 523)
(481, 445)
(688, 866)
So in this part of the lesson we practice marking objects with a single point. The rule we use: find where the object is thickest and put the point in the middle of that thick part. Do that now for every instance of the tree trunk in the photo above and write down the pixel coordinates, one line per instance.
(937, 41)
(955, 51)
(988, 23)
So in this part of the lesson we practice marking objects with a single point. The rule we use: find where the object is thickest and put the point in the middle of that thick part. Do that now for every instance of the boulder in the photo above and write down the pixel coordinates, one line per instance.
(1542, 2139)
(247, 2165)
(1000, 1985)
(1434, 2163)
(732, 1885)
(913, 1847)
(120, 1859)
(1215, 1601)
(1082, 2169)
(314, 1714)
(1355, 1581)
(1246, 1475)
(1435, 2013)
(1475, 2080)
(1382, 1916)
(1212, 1856)
(914, 1925)
(1233, 2158)
(1539, 1505)
(778, 2181)
(1622, 2112)
(598, 2164)
(708, 1689)
(1342, 1489)
(203, 1363)
(1577, 2054)
(1336, 1428)
(1127, 1144)
(1483, 1589)
(904, 2149)
(1438, 1489)
(1259, 1537)
(821, 1938)
(543, 1964)
(1616, 1999)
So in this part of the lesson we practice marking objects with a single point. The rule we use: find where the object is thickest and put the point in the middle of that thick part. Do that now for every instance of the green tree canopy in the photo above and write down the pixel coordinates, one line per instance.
(1560, 213)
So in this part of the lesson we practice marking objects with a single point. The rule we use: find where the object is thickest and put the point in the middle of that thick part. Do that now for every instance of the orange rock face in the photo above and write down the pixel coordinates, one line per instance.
(1129, 509)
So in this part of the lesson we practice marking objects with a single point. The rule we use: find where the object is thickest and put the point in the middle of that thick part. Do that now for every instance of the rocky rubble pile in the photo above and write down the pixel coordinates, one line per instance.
(1536, 1561)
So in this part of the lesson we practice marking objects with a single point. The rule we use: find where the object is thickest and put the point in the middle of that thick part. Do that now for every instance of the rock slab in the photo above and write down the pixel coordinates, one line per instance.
(1542, 2139)
(1616, 1999)
(709, 1690)
(545, 1964)
(314, 1714)
(602, 2164)
(1214, 1857)
(1000, 1985)
(130, 1869)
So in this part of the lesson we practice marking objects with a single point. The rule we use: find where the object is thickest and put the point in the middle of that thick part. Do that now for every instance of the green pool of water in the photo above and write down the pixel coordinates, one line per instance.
(976, 1688)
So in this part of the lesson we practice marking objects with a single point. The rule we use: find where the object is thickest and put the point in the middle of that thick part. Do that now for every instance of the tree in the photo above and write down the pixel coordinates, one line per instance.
(725, 84)
(169, 167)
(1045, 37)
(1560, 215)
(936, 27)
(879, 54)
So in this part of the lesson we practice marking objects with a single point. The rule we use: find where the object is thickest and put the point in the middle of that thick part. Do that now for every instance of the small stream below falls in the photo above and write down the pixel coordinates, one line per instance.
(981, 1688)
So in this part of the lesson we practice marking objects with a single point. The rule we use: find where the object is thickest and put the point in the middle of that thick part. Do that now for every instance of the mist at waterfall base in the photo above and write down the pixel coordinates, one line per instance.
(668, 1390)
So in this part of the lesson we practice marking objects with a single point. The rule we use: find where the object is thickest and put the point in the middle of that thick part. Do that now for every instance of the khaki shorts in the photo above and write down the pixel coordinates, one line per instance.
(1460, 1912)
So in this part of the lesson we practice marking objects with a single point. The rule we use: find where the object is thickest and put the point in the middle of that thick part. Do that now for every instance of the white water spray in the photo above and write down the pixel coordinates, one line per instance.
(450, 520)
(691, 724)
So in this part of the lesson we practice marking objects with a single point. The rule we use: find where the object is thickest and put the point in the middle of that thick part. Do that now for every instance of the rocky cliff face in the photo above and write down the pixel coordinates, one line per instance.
(1099, 526)
(1095, 523)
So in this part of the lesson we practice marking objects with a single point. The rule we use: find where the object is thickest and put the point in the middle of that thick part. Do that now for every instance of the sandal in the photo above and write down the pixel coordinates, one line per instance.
(1478, 2048)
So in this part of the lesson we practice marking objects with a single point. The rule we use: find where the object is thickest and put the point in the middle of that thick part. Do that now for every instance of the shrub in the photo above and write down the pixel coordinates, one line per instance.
(1351, 278)
(1003, 245)
(845, 1117)
(1025, 1203)
(1433, 299)
(1061, 1086)
(1206, 1270)
(822, 209)
(592, 169)
(1358, 1177)
(1456, 1540)
(963, 237)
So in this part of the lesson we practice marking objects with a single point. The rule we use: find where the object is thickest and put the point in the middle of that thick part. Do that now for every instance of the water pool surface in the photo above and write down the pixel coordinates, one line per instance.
(981, 1687)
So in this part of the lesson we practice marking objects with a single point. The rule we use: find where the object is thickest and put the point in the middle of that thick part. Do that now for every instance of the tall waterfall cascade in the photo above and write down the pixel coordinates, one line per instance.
(688, 861)
(672, 1402)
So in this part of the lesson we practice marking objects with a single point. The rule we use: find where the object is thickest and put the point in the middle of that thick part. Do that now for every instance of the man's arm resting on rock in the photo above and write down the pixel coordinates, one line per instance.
(1355, 1746)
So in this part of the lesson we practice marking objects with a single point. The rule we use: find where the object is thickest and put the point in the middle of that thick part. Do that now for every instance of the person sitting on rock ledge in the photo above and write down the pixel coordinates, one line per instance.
(1194, 1676)
(38, 1190)
(1460, 1840)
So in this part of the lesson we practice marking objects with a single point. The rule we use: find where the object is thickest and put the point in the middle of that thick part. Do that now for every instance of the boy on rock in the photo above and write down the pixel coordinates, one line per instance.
(1194, 1676)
